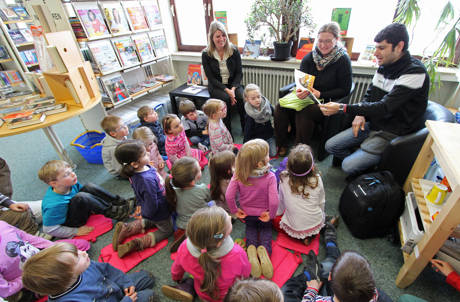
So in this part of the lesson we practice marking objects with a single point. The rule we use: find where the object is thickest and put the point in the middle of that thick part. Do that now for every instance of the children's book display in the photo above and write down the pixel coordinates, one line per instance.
(152, 13)
(144, 48)
(29, 56)
(10, 77)
(221, 16)
(252, 48)
(194, 74)
(342, 16)
(91, 19)
(77, 28)
(115, 88)
(24, 121)
(104, 56)
(126, 51)
(159, 43)
(136, 16)
(4, 53)
(21, 12)
(17, 37)
(8, 14)
(305, 47)
(115, 17)
(27, 34)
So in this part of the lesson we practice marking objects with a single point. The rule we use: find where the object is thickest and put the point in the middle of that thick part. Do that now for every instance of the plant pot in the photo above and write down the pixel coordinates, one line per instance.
(282, 50)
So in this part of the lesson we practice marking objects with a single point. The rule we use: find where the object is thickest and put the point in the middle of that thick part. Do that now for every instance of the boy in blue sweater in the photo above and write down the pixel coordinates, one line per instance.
(149, 118)
(66, 274)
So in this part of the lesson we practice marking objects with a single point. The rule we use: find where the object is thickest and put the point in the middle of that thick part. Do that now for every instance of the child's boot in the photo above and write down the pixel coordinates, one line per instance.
(175, 245)
(117, 212)
(312, 267)
(330, 233)
(255, 264)
(137, 244)
(265, 262)
(183, 291)
(124, 230)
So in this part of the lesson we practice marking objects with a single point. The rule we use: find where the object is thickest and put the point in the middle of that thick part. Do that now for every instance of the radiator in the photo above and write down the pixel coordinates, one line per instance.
(270, 80)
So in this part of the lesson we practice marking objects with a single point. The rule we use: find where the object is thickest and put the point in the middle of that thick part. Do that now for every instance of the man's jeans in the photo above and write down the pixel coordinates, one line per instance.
(342, 144)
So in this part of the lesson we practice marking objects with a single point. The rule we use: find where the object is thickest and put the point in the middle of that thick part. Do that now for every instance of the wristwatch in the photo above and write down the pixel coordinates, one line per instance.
(341, 107)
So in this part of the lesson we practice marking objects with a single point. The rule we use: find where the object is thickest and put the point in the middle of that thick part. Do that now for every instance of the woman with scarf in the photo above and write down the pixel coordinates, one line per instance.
(331, 66)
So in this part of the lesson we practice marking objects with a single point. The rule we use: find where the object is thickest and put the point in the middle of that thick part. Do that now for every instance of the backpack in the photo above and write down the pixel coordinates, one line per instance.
(371, 205)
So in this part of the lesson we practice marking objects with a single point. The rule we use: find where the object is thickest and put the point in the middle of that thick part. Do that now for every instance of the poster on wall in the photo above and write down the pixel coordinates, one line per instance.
(342, 16)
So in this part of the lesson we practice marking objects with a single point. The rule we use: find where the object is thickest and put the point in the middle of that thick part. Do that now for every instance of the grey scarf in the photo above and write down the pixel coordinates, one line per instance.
(322, 61)
(260, 116)
(219, 252)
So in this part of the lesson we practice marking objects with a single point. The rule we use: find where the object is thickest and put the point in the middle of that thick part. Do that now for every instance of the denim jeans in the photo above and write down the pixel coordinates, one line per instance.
(271, 146)
(143, 284)
(342, 145)
(203, 139)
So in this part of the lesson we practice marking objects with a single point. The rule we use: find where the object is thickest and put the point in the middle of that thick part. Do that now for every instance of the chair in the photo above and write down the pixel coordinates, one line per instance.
(400, 155)
(330, 126)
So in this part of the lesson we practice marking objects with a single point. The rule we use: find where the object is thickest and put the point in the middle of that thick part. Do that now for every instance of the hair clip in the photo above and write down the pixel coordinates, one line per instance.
(218, 236)
(205, 250)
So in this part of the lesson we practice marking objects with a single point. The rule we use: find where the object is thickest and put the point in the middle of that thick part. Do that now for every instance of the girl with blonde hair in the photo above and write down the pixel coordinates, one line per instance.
(150, 141)
(256, 186)
(210, 256)
(254, 290)
(219, 136)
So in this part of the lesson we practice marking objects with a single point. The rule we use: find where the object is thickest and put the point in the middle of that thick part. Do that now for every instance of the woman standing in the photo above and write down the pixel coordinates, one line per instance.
(222, 65)
(331, 66)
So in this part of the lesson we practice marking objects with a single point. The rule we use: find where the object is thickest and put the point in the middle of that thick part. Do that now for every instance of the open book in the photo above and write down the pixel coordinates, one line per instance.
(304, 81)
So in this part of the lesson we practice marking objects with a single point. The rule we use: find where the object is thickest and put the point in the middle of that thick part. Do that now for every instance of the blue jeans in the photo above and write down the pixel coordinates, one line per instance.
(271, 146)
(143, 284)
(342, 145)
(204, 139)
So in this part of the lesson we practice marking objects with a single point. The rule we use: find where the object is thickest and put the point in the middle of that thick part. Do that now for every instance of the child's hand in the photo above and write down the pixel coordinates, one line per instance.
(241, 214)
(84, 230)
(442, 266)
(19, 207)
(264, 216)
(314, 284)
(130, 292)
(205, 132)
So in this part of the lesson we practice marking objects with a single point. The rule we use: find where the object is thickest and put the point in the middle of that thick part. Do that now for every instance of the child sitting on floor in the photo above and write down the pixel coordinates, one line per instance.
(185, 195)
(67, 204)
(176, 144)
(195, 124)
(259, 113)
(221, 167)
(116, 131)
(210, 256)
(66, 274)
(145, 135)
(149, 190)
(254, 290)
(149, 118)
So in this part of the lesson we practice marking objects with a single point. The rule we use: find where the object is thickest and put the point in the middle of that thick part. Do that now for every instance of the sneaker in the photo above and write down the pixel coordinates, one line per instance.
(265, 262)
(202, 147)
(43, 235)
(183, 291)
(312, 266)
(254, 260)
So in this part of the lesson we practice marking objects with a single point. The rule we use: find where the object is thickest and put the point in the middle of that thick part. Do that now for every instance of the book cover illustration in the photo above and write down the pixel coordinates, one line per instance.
(115, 87)
(126, 51)
(104, 56)
(194, 74)
(152, 13)
(17, 115)
(342, 16)
(91, 19)
(8, 14)
(221, 16)
(305, 47)
(135, 15)
(305, 81)
(159, 43)
(21, 12)
(144, 48)
(116, 19)
(17, 37)
(27, 34)
(4, 53)
(252, 48)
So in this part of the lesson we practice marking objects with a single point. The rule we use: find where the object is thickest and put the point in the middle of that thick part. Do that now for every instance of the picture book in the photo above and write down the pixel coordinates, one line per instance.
(18, 114)
(26, 121)
(104, 55)
(17, 37)
(342, 16)
(115, 87)
(305, 47)
(47, 103)
(194, 74)
(126, 51)
(252, 48)
(135, 14)
(4, 53)
(367, 56)
(29, 57)
(77, 28)
(159, 43)
(144, 48)
(303, 80)
(8, 14)
(115, 17)
(27, 34)
(152, 13)
(164, 77)
(14, 76)
(221, 16)
(37, 100)
(51, 109)
(21, 12)
(91, 19)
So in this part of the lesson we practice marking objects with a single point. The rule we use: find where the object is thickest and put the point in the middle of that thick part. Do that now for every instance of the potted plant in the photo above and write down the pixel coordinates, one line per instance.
(283, 19)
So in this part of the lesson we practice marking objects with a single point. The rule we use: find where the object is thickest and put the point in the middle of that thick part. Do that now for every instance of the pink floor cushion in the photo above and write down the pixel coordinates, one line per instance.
(101, 226)
(131, 260)
(297, 245)
(284, 263)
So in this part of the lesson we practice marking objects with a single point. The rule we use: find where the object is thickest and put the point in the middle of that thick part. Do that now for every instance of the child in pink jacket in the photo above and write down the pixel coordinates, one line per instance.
(209, 242)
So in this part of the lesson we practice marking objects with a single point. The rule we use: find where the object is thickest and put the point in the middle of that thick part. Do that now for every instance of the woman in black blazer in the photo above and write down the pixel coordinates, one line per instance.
(222, 65)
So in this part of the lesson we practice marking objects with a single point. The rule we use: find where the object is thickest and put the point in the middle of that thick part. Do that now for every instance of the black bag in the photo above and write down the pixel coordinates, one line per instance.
(371, 205)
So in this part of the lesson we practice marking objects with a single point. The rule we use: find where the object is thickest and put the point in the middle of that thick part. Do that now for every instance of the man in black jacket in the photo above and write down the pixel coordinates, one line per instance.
(394, 104)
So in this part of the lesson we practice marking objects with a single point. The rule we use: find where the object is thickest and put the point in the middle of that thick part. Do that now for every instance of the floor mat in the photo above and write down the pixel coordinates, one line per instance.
(101, 226)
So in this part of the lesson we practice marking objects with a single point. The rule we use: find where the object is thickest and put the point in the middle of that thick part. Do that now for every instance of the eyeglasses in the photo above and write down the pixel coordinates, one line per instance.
(121, 127)
(327, 42)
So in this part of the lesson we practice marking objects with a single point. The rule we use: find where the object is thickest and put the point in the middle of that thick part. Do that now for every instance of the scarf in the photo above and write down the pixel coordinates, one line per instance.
(217, 253)
(258, 172)
(322, 61)
(260, 116)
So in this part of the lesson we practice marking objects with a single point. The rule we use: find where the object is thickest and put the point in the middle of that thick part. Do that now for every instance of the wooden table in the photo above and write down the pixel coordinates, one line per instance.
(442, 142)
(72, 110)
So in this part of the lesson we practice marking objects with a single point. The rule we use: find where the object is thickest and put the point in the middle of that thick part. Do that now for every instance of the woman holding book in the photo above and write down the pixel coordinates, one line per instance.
(222, 65)
(331, 66)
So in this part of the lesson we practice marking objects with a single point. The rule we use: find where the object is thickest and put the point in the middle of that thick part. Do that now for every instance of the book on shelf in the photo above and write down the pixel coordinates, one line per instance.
(152, 13)
(26, 121)
(342, 17)
(29, 56)
(194, 74)
(52, 109)
(144, 48)
(21, 12)
(115, 17)
(136, 16)
(4, 53)
(126, 51)
(164, 77)
(115, 87)
(104, 55)
(27, 34)
(367, 56)
(17, 114)
(221, 16)
(159, 43)
(91, 19)
(305, 47)
(37, 99)
(17, 36)
(252, 48)
(10, 109)
(77, 28)
(7, 14)
(10, 77)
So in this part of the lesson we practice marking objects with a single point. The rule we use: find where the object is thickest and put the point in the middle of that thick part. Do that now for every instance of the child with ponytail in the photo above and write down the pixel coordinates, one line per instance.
(210, 256)
(221, 167)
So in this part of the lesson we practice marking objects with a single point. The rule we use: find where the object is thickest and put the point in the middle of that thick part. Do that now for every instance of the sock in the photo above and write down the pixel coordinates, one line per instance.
(331, 244)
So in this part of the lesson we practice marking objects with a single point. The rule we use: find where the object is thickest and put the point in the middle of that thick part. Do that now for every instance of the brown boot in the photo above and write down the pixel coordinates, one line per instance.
(175, 245)
(138, 244)
(183, 291)
(124, 230)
